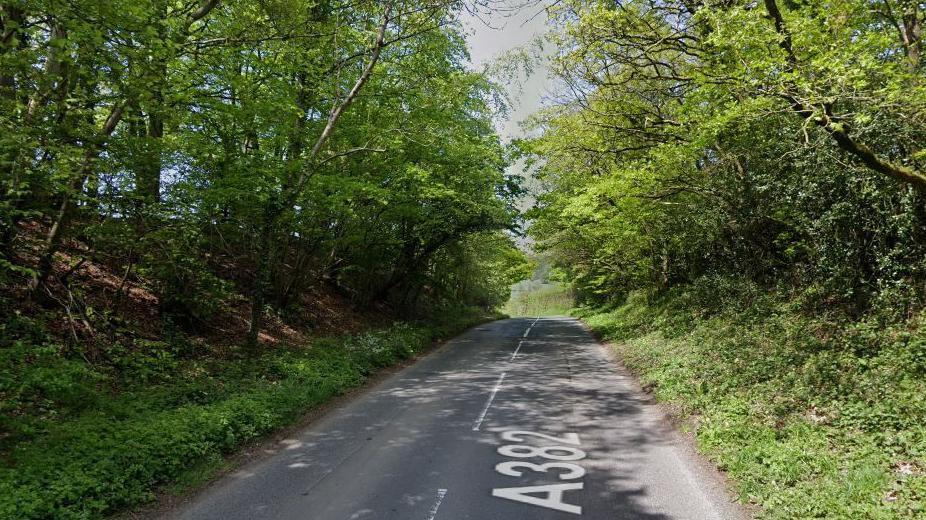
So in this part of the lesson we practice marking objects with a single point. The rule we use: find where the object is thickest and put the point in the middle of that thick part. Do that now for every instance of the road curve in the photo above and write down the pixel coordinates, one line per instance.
(516, 419)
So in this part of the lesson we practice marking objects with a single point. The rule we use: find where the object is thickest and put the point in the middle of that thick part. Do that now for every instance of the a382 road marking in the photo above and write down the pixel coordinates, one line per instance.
(563, 455)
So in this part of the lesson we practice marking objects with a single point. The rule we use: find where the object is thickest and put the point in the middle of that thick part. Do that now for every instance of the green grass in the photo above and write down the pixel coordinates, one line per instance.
(198, 473)
(540, 300)
(74, 449)
(811, 416)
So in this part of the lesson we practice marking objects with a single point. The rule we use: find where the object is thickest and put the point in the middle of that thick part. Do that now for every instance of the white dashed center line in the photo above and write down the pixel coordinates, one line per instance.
(441, 493)
(526, 332)
(498, 384)
(485, 410)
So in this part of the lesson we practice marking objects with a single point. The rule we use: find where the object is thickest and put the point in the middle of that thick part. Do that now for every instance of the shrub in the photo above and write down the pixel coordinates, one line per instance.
(812, 416)
(116, 453)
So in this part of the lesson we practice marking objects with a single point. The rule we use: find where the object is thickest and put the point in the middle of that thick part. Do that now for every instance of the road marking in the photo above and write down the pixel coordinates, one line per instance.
(552, 495)
(526, 332)
(515, 353)
(519, 435)
(485, 410)
(441, 493)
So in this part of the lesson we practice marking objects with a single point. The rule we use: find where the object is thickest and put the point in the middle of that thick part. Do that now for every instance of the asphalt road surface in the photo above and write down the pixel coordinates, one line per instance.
(516, 419)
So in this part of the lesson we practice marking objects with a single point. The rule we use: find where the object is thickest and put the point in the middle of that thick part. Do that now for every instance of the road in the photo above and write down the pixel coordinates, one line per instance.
(515, 419)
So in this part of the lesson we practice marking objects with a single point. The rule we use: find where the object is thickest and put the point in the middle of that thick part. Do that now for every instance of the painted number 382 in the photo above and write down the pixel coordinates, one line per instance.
(562, 456)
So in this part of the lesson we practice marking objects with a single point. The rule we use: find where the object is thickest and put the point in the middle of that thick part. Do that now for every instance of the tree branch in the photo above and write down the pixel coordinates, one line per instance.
(350, 152)
(831, 124)
(335, 115)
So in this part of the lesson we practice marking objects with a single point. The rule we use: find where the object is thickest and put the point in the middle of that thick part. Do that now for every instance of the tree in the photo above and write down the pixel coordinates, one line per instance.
(702, 138)
(266, 148)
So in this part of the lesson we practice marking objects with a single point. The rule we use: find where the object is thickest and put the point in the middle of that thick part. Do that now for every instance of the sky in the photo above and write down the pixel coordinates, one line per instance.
(492, 34)
(504, 29)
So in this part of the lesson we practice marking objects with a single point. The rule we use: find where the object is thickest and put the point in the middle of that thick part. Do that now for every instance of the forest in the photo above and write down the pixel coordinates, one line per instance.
(216, 215)
(192, 189)
(736, 192)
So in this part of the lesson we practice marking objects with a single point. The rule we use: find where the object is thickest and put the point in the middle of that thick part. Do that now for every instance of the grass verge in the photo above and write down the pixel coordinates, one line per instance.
(540, 299)
(812, 415)
(172, 425)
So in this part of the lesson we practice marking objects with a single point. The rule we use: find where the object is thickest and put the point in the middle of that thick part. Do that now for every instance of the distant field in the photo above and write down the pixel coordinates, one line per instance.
(539, 299)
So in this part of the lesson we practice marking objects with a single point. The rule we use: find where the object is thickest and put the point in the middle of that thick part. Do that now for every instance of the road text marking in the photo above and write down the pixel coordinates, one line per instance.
(485, 410)
(563, 454)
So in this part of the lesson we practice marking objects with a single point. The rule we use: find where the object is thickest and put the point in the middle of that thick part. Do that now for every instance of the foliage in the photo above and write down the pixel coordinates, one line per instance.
(186, 285)
(810, 417)
(778, 140)
(209, 146)
(177, 415)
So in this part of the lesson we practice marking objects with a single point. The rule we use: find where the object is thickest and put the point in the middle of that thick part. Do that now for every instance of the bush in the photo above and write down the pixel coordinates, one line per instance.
(811, 415)
(37, 385)
(116, 453)
(184, 282)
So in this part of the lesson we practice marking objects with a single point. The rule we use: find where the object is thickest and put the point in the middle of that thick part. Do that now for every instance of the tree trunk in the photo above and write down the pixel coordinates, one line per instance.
(266, 254)
(66, 208)
(11, 20)
(149, 172)
(148, 181)
(912, 34)
(290, 192)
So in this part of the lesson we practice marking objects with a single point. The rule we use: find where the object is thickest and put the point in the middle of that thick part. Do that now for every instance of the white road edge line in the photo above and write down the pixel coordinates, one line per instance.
(441, 493)
(515, 353)
(485, 410)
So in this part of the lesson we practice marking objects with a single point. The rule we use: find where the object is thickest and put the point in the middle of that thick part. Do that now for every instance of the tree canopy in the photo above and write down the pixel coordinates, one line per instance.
(271, 146)
(779, 141)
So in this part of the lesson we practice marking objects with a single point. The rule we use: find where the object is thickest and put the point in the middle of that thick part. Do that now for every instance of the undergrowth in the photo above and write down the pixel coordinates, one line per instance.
(812, 414)
(81, 440)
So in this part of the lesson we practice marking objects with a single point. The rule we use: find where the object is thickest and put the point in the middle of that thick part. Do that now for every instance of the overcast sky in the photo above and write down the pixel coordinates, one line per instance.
(502, 30)
(490, 35)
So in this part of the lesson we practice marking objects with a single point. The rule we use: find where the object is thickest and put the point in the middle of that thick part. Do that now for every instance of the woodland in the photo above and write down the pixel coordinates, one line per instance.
(736, 194)
(216, 215)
